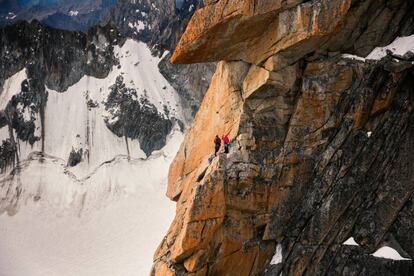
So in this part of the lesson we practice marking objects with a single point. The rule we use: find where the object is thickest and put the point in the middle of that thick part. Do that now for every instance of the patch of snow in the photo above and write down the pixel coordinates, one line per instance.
(12, 86)
(4, 131)
(351, 241)
(277, 257)
(389, 253)
(25, 111)
(10, 16)
(355, 57)
(138, 26)
(100, 41)
(166, 52)
(73, 13)
(369, 133)
(400, 46)
(191, 7)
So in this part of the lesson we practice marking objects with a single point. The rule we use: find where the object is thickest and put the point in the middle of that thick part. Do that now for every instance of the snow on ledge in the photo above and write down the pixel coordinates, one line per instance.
(355, 57)
(277, 257)
(400, 46)
(350, 241)
(387, 252)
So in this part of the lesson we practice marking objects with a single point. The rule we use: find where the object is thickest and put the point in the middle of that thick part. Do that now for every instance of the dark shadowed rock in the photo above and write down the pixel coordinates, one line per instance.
(75, 157)
(136, 118)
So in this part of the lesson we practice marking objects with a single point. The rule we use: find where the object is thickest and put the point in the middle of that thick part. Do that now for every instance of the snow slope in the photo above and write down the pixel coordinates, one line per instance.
(11, 87)
(106, 215)
(108, 223)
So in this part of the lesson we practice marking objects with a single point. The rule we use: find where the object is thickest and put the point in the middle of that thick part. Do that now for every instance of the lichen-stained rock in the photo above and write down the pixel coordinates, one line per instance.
(321, 144)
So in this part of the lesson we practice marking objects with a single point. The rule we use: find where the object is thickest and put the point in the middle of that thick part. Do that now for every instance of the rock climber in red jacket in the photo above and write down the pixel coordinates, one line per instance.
(226, 142)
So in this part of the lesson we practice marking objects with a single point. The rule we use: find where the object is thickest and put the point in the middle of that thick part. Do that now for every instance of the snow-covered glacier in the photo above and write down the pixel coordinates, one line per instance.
(102, 214)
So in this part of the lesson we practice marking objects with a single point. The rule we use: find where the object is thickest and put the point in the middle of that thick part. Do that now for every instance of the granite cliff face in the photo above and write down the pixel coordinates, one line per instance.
(321, 145)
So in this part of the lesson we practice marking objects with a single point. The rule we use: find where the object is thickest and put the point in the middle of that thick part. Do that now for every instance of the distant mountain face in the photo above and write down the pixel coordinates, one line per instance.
(54, 3)
(36, 60)
(86, 98)
(81, 15)
(159, 23)
(86, 121)
(79, 105)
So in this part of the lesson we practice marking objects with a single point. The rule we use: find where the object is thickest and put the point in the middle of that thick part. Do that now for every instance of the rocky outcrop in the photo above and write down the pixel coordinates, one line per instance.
(321, 144)
(135, 118)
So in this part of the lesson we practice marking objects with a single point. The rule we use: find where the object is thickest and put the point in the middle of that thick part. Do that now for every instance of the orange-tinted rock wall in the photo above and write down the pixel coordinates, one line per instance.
(315, 137)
